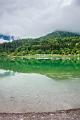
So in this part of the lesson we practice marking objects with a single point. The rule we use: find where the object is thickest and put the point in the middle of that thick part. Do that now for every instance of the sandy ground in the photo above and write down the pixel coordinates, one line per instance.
(73, 114)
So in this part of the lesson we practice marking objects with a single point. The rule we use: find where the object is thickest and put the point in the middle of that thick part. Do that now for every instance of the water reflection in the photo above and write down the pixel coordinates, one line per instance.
(56, 69)
(4, 73)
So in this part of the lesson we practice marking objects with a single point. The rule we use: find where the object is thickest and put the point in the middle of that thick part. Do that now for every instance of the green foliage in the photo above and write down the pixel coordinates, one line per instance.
(58, 69)
(55, 43)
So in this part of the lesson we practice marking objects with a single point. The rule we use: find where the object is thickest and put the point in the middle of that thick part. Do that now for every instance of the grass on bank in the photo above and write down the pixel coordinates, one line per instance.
(47, 56)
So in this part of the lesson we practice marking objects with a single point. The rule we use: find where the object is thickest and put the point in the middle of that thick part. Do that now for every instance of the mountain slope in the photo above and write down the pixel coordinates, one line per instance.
(61, 34)
(59, 42)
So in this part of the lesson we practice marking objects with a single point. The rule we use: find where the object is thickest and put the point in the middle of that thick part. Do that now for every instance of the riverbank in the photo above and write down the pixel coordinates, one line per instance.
(72, 114)
(46, 57)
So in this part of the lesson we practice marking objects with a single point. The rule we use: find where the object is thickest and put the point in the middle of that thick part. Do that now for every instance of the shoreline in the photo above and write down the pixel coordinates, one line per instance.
(71, 114)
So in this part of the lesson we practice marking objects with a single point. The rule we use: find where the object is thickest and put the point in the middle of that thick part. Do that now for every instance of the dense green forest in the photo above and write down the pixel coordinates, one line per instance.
(58, 42)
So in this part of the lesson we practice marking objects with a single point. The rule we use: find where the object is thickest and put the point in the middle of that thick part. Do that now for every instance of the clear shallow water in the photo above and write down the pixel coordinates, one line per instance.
(31, 92)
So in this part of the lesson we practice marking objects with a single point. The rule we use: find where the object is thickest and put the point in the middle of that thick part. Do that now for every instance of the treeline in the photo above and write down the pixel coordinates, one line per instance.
(50, 44)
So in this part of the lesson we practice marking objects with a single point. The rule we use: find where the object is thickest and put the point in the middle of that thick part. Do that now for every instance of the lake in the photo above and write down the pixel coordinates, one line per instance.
(35, 92)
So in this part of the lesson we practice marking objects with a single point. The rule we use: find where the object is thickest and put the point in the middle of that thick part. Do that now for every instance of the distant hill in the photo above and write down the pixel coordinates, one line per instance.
(6, 38)
(58, 42)
(61, 34)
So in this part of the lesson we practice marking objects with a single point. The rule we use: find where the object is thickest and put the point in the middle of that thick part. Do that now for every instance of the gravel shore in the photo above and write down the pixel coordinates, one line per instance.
(73, 114)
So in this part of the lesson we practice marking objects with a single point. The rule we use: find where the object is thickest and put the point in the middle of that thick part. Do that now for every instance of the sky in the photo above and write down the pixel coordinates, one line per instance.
(34, 18)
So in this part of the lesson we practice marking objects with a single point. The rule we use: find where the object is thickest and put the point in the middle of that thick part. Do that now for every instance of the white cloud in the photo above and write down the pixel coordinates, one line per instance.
(66, 3)
(30, 18)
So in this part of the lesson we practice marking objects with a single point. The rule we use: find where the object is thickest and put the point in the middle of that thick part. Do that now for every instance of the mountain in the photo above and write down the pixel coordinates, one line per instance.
(6, 38)
(58, 42)
(61, 34)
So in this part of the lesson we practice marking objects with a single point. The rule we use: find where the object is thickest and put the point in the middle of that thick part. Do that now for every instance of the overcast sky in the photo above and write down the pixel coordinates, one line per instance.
(34, 18)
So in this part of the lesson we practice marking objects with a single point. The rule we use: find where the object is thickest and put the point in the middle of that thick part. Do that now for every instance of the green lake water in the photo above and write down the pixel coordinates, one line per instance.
(39, 85)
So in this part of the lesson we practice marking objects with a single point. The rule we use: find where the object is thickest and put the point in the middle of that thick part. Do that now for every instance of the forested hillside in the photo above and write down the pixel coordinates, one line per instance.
(58, 42)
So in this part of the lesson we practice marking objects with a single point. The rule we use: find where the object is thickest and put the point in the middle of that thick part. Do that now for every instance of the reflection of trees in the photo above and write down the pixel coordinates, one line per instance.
(58, 67)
